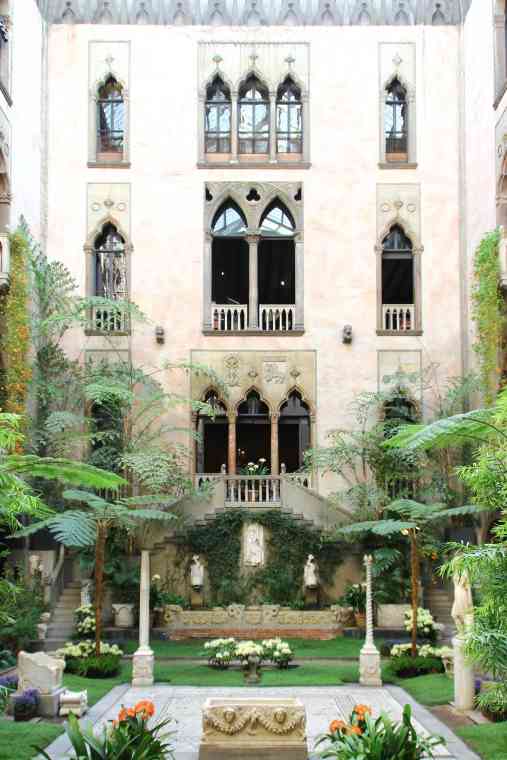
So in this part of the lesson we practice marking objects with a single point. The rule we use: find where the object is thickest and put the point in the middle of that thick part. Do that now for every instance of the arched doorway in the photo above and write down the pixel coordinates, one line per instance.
(212, 445)
(293, 432)
(253, 431)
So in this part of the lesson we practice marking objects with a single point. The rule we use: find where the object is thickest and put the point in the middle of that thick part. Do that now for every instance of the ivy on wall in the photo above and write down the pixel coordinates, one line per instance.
(280, 581)
(15, 338)
(488, 312)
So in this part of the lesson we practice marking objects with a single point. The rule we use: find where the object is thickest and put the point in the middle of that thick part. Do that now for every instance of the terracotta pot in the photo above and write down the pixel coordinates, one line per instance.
(360, 618)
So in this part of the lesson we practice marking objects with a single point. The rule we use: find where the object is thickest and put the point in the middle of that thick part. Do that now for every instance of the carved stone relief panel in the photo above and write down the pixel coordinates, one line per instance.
(272, 61)
(399, 204)
(272, 373)
(393, 366)
(108, 200)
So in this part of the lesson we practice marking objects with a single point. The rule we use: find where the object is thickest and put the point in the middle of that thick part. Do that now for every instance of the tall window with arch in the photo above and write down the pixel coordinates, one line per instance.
(289, 118)
(110, 121)
(212, 443)
(396, 122)
(398, 282)
(110, 279)
(229, 269)
(253, 117)
(217, 117)
(277, 269)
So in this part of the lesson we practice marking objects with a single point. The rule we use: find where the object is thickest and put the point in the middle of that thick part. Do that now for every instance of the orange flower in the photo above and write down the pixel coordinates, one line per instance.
(131, 713)
(362, 709)
(336, 725)
(145, 708)
(122, 715)
(355, 730)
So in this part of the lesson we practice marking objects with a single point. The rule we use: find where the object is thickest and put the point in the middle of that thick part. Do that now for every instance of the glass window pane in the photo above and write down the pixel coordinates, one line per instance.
(211, 118)
(246, 119)
(224, 145)
(295, 118)
(211, 144)
(296, 145)
(261, 146)
(282, 145)
(261, 118)
(245, 146)
(229, 222)
(224, 118)
(282, 118)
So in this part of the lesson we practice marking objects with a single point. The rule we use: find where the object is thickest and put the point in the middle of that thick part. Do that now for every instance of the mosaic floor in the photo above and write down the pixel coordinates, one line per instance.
(184, 704)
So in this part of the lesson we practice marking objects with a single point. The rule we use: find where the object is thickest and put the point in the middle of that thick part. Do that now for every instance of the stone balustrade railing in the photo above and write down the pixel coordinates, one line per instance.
(241, 489)
(398, 317)
(108, 320)
(229, 317)
(277, 317)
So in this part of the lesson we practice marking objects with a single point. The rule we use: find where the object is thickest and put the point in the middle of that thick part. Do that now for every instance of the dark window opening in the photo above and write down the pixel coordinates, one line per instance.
(277, 272)
(253, 431)
(213, 440)
(289, 118)
(229, 271)
(110, 264)
(253, 117)
(395, 122)
(293, 432)
(397, 268)
(217, 120)
(110, 118)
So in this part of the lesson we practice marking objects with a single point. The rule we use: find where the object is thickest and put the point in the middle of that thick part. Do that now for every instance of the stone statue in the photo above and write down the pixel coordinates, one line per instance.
(86, 592)
(254, 545)
(35, 564)
(463, 607)
(196, 572)
(311, 573)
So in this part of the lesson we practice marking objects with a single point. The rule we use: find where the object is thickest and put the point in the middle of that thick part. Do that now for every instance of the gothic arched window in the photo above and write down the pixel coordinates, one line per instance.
(396, 122)
(110, 119)
(289, 118)
(110, 264)
(397, 281)
(253, 116)
(217, 117)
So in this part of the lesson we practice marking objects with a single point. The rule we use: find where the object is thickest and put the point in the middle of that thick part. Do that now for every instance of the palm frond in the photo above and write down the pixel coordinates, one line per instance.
(71, 528)
(380, 527)
(469, 427)
(63, 470)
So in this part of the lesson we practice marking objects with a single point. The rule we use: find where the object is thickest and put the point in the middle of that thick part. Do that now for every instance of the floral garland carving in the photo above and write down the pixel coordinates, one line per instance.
(230, 723)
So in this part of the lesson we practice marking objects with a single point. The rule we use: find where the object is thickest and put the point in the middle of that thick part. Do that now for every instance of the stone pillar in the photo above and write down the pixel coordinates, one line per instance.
(305, 109)
(274, 444)
(232, 443)
(200, 129)
(206, 271)
(253, 302)
(300, 282)
(272, 127)
(194, 446)
(234, 127)
(464, 682)
(369, 659)
(143, 660)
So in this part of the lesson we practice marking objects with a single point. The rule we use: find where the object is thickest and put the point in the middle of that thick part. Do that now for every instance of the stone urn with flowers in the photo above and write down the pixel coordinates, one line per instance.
(254, 470)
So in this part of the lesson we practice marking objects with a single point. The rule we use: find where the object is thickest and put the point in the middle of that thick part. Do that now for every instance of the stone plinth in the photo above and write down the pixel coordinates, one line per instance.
(234, 729)
(464, 684)
(196, 599)
(143, 663)
(75, 702)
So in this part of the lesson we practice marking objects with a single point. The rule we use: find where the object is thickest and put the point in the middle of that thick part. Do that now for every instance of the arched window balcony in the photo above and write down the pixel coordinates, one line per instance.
(399, 288)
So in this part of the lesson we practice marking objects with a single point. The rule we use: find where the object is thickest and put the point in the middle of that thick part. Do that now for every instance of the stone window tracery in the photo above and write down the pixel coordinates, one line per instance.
(108, 280)
(217, 117)
(253, 117)
(399, 289)
(396, 122)
(289, 118)
(110, 121)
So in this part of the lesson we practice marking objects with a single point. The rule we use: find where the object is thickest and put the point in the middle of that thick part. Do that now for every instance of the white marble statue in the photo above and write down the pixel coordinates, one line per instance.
(86, 592)
(254, 545)
(311, 573)
(35, 564)
(463, 607)
(196, 572)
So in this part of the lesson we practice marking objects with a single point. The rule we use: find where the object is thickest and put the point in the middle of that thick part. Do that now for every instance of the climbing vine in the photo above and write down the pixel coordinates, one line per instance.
(15, 339)
(280, 581)
(488, 312)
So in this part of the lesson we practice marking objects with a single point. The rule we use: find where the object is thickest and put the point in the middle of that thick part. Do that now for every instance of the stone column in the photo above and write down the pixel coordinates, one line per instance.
(369, 658)
(253, 300)
(200, 128)
(300, 284)
(272, 127)
(143, 660)
(234, 127)
(464, 682)
(194, 446)
(232, 443)
(305, 110)
(275, 417)
(206, 285)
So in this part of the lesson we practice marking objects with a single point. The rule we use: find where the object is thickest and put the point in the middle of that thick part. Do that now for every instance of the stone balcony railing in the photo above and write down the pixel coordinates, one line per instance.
(235, 318)
(108, 321)
(398, 317)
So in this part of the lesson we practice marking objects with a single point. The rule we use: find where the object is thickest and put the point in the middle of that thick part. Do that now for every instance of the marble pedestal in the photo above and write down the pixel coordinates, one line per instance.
(143, 663)
(196, 599)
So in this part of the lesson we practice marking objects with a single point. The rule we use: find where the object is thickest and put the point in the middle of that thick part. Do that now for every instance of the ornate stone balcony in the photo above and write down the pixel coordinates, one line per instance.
(231, 318)
(398, 317)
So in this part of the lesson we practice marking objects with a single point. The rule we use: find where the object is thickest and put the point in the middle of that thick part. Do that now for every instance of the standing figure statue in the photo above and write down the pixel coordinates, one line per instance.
(311, 573)
(463, 607)
(254, 545)
(196, 572)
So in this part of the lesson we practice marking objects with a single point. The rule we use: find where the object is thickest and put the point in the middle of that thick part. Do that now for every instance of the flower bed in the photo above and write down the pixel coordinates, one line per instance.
(80, 658)
(426, 627)
(222, 652)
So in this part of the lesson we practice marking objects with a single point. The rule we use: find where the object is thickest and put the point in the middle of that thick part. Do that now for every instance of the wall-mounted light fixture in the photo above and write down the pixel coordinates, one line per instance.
(160, 334)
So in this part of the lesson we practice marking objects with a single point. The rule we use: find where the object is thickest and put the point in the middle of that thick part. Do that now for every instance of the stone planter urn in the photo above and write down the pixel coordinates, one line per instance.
(123, 615)
(392, 615)
(252, 672)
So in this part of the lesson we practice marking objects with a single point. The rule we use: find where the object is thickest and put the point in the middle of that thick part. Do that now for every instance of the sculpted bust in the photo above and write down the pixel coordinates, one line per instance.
(196, 572)
(311, 575)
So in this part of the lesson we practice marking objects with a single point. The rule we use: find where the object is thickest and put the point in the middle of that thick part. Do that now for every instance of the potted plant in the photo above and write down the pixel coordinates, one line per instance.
(355, 597)
(26, 705)
(124, 581)
(251, 470)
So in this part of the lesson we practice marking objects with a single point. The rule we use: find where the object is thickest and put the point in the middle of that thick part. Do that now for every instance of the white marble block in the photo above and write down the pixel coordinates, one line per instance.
(75, 702)
(39, 671)
(142, 667)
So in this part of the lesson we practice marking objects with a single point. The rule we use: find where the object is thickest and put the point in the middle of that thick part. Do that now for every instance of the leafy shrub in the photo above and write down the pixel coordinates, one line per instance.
(104, 666)
(7, 659)
(425, 624)
(366, 738)
(84, 621)
(354, 596)
(221, 652)
(423, 650)
(21, 605)
(128, 738)
(8, 684)
(405, 666)
(492, 702)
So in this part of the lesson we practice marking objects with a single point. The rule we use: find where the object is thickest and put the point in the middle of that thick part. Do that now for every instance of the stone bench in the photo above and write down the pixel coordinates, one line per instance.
(241, 729)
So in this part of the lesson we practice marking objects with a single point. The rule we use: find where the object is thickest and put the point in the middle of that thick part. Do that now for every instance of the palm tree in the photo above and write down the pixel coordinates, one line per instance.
(17, 498)
(411, 519)
(89, 526)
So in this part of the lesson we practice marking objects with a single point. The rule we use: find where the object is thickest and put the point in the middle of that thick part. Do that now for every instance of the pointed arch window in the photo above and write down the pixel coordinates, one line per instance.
(398, 282)
(217, 117)
(253, 117)
(110, 120)
(396, 122)
(289, 118)
(277, 269)
(109, 280)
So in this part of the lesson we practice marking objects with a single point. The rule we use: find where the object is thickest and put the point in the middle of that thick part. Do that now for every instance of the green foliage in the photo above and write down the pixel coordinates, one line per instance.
(492, 701)
(123, 578)
(281, 580)
(380, 739)
(488, 312)
(21, 605)
(410, 667)
(103, 666)
(354, 596)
